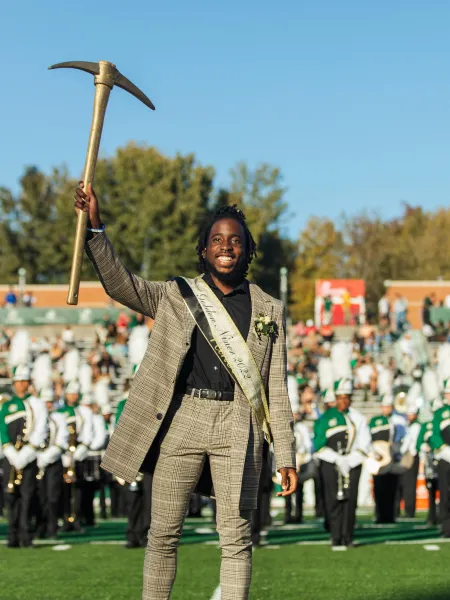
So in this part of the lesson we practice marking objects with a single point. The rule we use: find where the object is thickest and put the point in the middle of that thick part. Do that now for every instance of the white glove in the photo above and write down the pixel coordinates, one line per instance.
(327, 454)
(343, 465)
(25, 456)
(443, 454)
(372, 465)
(66, 460)
(355, 459)
(12, 455)
(81, 452)
(48, 456)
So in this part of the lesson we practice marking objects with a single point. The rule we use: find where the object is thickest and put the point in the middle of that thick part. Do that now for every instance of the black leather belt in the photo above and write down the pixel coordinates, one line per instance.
(209, 394)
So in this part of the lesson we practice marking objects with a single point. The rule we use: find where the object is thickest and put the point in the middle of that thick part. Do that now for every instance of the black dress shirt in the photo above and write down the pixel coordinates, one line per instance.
(201, 368)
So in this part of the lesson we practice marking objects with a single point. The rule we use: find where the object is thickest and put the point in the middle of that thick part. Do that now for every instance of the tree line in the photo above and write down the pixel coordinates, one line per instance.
(155, 205)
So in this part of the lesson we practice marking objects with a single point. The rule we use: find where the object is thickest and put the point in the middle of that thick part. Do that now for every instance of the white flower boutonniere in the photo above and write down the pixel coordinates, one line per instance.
(265, 326)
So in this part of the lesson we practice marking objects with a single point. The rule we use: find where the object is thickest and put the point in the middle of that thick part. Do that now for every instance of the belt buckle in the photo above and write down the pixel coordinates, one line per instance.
(214, 395)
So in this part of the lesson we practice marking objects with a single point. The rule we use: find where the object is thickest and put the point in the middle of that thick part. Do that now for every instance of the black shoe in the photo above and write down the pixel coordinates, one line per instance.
(13, 545)
(27, 545)
(288, 520)
(132, 545)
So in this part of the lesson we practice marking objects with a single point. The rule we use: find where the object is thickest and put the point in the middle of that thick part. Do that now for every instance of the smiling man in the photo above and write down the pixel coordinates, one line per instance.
(210, 389)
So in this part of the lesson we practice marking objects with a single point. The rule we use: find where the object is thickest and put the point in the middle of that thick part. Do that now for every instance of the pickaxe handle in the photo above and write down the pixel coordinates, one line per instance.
(106, 77)
(102, 92)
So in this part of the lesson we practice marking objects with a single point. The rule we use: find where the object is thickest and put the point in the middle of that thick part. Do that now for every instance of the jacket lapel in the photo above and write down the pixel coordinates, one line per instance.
(260, 306)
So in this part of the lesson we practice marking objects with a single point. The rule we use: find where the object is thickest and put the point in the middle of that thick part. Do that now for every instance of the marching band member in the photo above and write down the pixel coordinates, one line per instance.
(50, 475)
(382, 431)
(79, 423)
(138, 501)
(408, 480)
(23, 428)
(341, 442)
(440, 444)
(430, 468)
(92, 474)
(304, 451)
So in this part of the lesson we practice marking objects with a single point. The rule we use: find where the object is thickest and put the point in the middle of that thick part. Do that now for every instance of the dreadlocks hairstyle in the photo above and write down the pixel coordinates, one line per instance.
(226, 212)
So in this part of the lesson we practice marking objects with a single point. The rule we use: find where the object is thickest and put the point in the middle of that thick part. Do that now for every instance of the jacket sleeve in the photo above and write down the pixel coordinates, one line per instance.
(62, 431)
(121, 285)
(100, 433)
(361, 447)
(40, 425)
(86, 434)
(281, 418)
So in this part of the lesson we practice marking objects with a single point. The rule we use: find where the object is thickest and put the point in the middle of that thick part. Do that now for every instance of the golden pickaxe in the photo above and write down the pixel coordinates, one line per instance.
(106, 76)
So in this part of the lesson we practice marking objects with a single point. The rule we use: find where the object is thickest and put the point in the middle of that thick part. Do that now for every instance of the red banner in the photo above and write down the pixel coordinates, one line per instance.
(339, 301)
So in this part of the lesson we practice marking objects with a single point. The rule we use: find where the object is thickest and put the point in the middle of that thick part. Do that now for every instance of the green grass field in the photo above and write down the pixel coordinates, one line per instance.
(295, 562)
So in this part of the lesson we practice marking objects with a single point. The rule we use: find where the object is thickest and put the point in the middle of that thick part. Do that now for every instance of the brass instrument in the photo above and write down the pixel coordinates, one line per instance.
(15, 475)
(69, 475)
(430, 470)
(343, 482)
(43, 446)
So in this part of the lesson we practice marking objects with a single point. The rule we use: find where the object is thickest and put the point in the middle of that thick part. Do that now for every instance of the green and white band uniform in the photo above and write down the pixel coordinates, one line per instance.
(440, 444)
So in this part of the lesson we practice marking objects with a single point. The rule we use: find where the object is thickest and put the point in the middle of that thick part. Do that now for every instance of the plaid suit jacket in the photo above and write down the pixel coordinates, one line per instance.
(135, 440)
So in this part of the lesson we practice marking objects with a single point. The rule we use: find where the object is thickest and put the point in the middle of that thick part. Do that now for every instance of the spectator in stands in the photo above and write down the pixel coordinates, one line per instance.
(383, 334)
(347, 307)
(10, 299)
(326, 332)
(383, 308)
(68, 335)
(327, 310)
(428, 304)
(400, 312)
(28, 299)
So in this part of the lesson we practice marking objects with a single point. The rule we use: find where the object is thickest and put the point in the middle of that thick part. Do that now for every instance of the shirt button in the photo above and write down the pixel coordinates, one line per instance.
(159, 416)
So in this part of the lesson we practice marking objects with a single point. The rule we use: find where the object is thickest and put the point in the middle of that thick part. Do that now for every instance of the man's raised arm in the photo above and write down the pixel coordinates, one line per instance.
(121, 285)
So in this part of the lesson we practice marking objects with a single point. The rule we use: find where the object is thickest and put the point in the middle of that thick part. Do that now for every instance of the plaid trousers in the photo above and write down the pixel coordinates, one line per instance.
(199, 428)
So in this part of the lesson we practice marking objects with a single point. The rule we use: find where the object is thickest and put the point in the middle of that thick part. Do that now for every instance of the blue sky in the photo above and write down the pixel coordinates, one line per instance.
(350, 98)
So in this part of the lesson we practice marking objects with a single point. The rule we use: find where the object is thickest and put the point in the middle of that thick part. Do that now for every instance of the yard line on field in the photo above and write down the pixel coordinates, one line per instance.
(217, 594)
(107, 542)
(430, 541)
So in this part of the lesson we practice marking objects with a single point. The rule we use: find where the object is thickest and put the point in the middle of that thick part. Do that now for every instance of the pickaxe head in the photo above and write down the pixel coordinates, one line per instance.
(107, 74)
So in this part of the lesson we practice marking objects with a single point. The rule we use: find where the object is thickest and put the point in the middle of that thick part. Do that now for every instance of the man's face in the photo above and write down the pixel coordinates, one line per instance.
(225, 250)
(386, 411)
(343, 402)
(72, 399)
(21, 387)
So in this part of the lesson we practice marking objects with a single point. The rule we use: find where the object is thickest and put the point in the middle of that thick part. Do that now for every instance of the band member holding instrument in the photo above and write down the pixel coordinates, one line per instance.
(79, 424)
(303, 451)
(211, 387)
(50, 468)
(23, 428)
(341, 442)
(440, 444)
(91, 473)
(382, 431)
(408, 480)
(430, 468)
